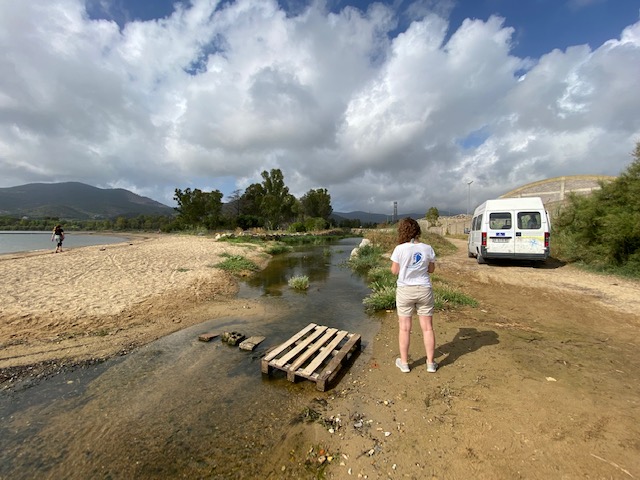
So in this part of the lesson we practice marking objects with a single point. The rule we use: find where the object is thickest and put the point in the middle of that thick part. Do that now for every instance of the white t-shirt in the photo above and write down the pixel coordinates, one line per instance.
(414, 260)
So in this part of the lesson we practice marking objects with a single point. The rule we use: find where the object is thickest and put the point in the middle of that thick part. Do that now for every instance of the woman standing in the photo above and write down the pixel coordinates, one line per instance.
(58, 237)
(412, 261)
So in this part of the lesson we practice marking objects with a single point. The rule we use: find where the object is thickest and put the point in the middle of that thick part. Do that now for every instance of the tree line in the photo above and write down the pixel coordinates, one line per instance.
(268, 205)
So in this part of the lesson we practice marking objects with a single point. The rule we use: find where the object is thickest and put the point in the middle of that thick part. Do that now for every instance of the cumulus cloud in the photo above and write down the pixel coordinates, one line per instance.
(215, 93)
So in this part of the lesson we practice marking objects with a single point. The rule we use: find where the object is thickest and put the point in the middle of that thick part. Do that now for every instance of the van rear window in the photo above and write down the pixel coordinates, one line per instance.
(500, 221)
(529, 220)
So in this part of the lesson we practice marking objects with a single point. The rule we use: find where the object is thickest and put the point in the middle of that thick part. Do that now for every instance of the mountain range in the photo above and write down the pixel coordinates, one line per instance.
(79, 201)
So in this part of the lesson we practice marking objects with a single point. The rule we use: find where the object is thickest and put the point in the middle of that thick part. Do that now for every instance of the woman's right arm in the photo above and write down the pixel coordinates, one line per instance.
(395, 268)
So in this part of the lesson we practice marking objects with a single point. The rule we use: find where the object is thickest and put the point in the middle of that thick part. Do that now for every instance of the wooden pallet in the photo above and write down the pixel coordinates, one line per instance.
(316, 353)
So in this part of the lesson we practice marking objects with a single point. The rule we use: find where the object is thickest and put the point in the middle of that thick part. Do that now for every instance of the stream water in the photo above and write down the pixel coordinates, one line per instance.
(179, 407)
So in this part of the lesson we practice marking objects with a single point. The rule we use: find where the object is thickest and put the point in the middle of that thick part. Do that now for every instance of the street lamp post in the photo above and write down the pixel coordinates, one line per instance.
(469, 196)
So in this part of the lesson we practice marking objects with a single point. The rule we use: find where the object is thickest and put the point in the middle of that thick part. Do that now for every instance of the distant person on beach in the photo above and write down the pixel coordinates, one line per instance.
(58, 236)
(412, 261)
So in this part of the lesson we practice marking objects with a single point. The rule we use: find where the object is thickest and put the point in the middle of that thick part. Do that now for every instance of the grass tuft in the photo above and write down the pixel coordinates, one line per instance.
(236, 264)
(277, 248)
(299, 282)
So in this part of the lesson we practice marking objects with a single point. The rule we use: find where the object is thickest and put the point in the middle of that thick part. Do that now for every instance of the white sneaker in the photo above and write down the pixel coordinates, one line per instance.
(404, 368)
(432, 367)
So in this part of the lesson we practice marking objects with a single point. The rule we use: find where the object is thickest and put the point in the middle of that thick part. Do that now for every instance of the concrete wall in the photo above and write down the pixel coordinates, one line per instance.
(556, 190)
(447, 225)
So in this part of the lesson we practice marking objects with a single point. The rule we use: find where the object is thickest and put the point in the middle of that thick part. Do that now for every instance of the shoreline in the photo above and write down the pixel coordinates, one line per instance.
(127, 237)
(96, 302)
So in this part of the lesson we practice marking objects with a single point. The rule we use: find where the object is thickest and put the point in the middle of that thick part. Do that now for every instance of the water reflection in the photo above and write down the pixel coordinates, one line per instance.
(180, 407)
(316, 264)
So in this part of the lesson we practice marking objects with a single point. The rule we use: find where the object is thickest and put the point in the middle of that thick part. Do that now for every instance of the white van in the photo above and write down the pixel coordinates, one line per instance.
(510, 228)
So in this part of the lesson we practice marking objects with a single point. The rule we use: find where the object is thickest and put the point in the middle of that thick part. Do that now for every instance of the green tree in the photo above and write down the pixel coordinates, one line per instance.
(199, 208)
(251, 199)
(317, 203)
(235, 200)
(121, 223)
(603, 229)
(432, 216)
(277, 203)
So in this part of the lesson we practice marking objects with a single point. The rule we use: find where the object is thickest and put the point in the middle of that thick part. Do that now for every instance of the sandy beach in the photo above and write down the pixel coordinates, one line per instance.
(94, 302)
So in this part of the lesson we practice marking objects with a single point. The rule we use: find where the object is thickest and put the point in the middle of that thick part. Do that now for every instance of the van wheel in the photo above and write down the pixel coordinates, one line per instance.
(481, 259)
(470, 254)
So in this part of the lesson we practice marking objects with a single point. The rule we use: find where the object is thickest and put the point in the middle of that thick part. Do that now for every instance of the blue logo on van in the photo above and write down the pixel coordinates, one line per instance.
(501, 234)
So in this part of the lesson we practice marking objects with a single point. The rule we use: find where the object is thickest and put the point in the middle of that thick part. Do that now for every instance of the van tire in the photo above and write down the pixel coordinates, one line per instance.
(470, 254)
(481, 259)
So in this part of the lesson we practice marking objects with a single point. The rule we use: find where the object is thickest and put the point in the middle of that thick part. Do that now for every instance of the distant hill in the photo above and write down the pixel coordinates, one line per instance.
(78, 201)
(367, 217)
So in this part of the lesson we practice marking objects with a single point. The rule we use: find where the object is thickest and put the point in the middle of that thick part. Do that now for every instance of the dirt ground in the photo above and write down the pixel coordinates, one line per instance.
(541, 380)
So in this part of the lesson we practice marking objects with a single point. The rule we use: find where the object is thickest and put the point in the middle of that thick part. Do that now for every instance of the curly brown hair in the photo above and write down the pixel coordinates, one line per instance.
(408, 229)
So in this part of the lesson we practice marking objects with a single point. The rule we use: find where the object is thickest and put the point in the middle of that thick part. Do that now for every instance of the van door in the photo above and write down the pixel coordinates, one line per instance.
(530, 233)
(500, 235)
(475, 236)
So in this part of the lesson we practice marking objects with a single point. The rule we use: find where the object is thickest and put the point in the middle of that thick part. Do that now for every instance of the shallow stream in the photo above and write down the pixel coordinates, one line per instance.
(180, 407)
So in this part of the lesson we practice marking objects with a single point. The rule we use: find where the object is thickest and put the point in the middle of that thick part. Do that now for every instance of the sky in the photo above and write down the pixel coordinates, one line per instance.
(424, 103)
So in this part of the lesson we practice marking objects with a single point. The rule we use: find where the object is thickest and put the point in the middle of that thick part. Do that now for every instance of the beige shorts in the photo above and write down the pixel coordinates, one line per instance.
(414, 298)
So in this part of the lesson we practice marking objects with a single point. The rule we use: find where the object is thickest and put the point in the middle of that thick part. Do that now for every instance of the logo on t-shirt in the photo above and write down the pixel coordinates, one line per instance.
(416, 260)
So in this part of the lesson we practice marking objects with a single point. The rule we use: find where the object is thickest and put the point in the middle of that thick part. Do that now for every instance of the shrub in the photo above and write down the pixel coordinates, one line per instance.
(299, 282)
(367, 258)
(277, 248)
(315, 224)
(602, 230)
(236, 264)
(381, 275)
(297, 227)
(382, 298)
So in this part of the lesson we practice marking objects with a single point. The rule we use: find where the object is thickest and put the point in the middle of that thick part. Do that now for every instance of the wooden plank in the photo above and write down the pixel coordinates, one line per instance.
(251, 343)
(275, 352)
(309, 353)
(301, 346)
(329, 373)
(327, 351)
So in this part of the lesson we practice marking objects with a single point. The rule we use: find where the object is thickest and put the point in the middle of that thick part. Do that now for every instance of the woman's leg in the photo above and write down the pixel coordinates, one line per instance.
(404, 330)
(428, 336)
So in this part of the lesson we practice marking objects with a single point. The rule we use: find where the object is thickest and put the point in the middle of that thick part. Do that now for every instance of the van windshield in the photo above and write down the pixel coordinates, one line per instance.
(500, 221)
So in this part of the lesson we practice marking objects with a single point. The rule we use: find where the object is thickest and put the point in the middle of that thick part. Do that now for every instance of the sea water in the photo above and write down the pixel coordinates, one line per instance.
(21, 241)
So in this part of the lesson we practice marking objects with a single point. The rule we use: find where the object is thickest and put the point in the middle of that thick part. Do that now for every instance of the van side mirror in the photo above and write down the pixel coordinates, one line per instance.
(466, 230)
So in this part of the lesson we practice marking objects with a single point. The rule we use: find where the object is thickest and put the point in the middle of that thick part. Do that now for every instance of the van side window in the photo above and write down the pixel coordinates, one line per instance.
(529, 220)
(478, 225)
(500, 221)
